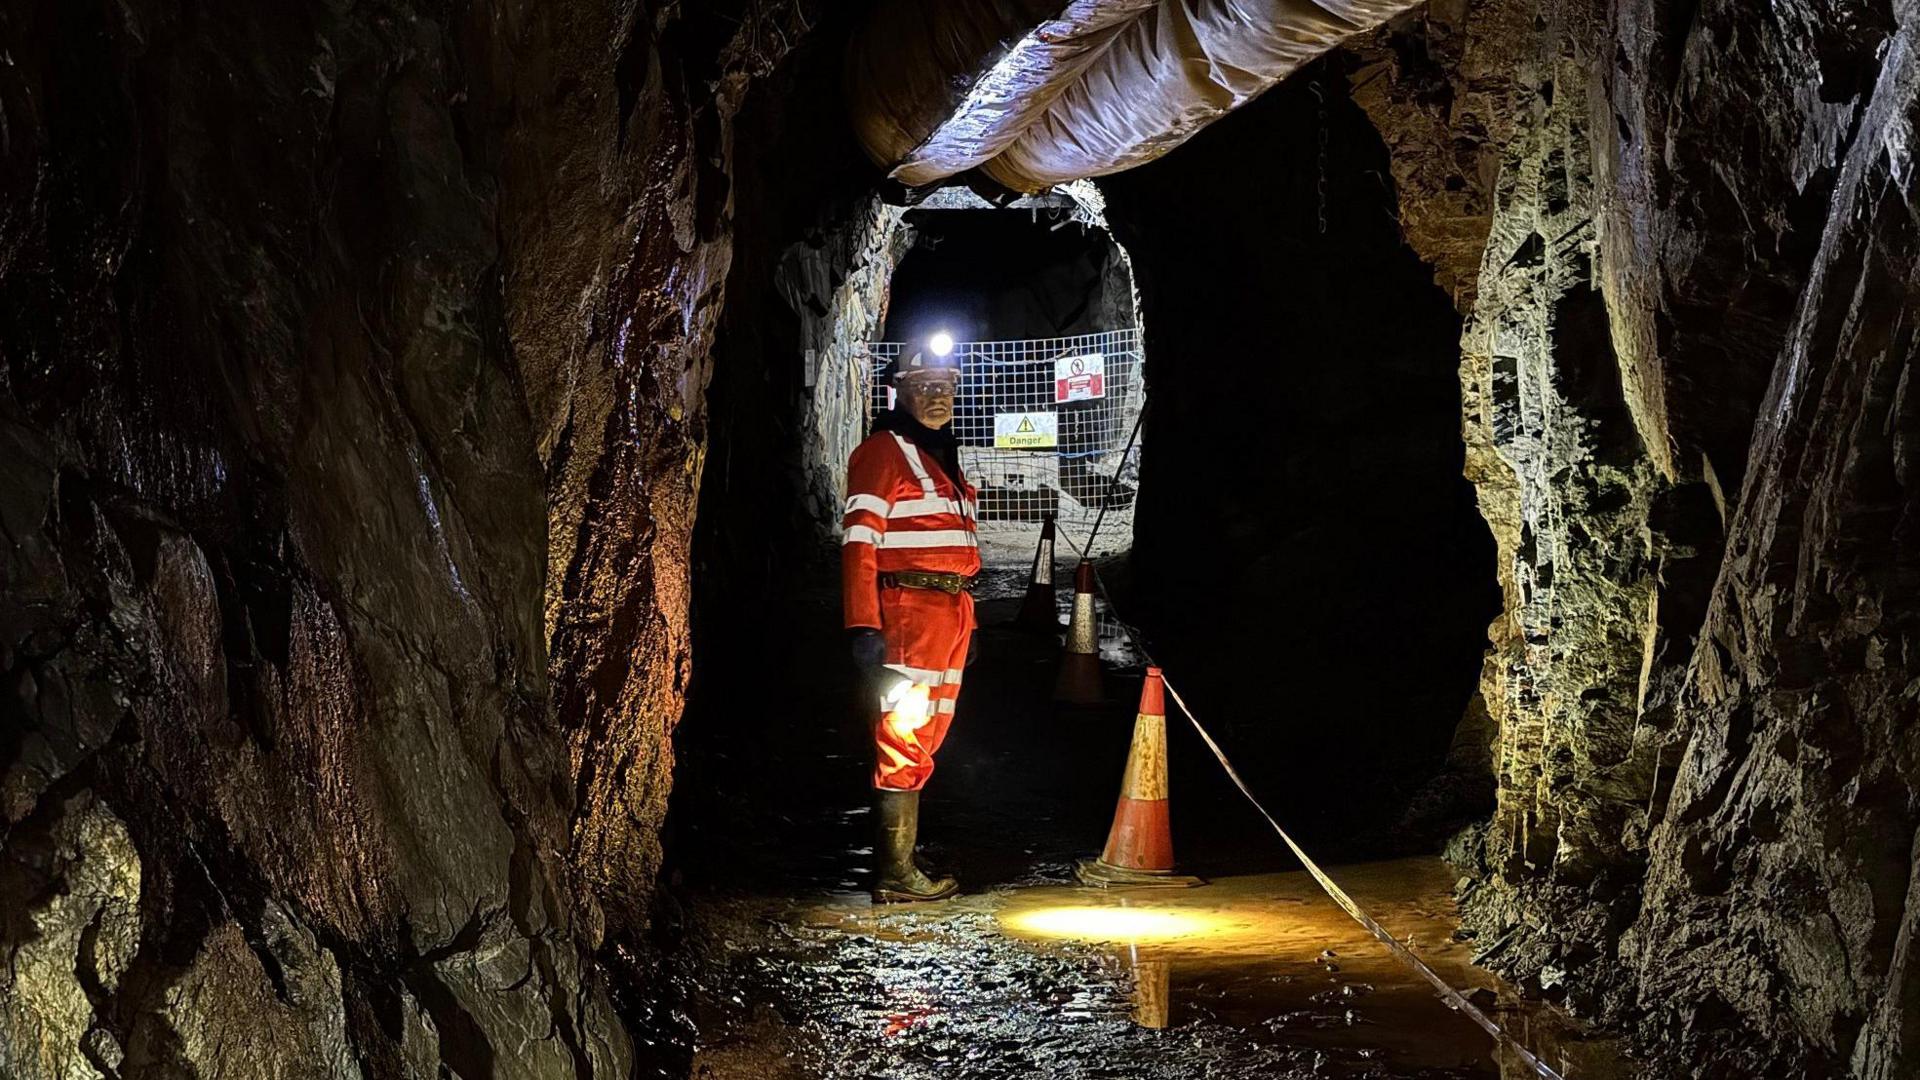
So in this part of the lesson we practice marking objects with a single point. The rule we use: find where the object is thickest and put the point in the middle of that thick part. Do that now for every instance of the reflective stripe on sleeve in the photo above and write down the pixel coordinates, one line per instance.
(935, 538)
(922, 507)
(872, 503)
(863, 534)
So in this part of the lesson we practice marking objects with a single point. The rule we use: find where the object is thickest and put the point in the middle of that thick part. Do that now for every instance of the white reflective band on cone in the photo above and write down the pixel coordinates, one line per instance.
(1081, 635)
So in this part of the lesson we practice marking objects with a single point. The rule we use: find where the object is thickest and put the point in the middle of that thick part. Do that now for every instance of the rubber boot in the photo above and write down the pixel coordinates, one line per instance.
(897, 879)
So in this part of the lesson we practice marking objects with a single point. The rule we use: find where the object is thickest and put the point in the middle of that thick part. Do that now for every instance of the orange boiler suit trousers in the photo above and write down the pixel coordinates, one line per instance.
(927, 633)
(905, 513)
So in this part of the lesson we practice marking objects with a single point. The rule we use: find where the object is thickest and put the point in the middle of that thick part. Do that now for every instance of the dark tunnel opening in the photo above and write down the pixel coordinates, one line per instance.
(1308, 553)
(1310, 564)
(995, 275)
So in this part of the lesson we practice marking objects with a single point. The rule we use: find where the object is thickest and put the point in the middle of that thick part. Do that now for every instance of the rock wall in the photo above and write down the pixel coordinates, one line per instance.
(351, 360)
(1791, 826)
(838, 282)
(1692, 219)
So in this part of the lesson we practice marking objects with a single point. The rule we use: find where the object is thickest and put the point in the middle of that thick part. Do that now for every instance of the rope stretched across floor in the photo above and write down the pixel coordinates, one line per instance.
(1339, 896)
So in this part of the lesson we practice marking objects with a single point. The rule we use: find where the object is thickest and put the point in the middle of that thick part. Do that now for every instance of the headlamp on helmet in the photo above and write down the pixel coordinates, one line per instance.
(934, 356)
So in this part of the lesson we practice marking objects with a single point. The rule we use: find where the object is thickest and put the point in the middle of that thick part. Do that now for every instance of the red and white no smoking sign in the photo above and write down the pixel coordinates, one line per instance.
(1080, 378)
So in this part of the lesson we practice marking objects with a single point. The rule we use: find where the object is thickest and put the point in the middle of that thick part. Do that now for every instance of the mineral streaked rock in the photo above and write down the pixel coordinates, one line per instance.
(69, 926)
(1792, 822)
(1725, 737)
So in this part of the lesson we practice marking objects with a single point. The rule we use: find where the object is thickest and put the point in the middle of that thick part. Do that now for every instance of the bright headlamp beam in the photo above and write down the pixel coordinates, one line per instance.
(941, 344)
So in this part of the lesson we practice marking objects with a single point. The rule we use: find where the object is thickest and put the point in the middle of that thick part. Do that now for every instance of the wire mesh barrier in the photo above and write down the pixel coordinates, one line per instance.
(1043, 426)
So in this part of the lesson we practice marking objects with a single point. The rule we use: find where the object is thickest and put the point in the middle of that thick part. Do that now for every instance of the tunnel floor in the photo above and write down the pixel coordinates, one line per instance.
(789, 971)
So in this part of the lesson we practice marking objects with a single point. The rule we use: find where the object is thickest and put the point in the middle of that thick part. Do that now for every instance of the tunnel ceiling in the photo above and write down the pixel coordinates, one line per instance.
(1039, 93)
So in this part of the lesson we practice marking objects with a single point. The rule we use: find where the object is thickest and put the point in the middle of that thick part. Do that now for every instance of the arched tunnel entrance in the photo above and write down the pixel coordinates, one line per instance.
(1304, 555)
(1042, 303)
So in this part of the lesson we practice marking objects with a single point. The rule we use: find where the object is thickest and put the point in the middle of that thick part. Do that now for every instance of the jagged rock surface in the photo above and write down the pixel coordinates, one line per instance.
(1703, 696)
(351, 360)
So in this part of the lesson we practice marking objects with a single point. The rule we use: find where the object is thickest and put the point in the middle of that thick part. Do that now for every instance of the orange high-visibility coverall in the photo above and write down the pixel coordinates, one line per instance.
(905, 513)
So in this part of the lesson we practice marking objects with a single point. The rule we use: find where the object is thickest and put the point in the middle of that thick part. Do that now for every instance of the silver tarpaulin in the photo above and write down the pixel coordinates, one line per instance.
(1039, 94)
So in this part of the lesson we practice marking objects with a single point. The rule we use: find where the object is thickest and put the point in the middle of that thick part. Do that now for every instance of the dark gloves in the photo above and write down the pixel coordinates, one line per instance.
(868, 648)
(973, 648)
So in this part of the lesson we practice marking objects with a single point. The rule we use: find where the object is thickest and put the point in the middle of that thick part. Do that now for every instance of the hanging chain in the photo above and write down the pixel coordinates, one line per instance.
(1320, 101)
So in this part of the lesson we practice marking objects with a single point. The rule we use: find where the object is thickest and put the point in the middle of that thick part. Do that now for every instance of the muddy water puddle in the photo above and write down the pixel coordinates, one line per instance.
(1256, 976)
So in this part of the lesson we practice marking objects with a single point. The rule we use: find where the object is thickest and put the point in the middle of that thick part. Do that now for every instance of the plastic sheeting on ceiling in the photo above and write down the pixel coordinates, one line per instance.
(1039, 92)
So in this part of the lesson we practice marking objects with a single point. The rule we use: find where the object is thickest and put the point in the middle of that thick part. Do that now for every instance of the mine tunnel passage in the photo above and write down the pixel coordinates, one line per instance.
(1302, 554)
(426, 428)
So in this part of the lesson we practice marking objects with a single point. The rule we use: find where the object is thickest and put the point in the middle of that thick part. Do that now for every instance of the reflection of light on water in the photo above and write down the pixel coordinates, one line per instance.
(1110, 924)
(1152, 990)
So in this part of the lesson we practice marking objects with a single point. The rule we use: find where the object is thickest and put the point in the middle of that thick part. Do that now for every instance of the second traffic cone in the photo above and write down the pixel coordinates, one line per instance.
(1036, 612)
(1139, 848)
(1080, 682)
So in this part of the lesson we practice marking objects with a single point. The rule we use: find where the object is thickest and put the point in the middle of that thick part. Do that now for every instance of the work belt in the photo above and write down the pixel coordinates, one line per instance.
(951, 584)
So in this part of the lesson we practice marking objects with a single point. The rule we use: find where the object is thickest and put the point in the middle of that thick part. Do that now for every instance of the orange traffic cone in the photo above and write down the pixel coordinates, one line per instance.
(1036, 612)
(1080, 682)
(1139, 849)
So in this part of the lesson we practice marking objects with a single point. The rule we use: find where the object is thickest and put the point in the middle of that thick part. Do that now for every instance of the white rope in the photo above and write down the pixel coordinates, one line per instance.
(1333, 890)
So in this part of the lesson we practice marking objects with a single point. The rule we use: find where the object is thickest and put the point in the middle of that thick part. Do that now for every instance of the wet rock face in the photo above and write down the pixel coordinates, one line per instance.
(1684, 366)
(350, 369)
(1797, 784)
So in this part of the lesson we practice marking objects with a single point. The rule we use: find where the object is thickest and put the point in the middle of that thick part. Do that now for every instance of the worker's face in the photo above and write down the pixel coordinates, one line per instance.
(929, 398)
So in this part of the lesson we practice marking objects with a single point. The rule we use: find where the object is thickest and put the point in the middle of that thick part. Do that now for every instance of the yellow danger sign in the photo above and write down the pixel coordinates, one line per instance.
(1026, 431)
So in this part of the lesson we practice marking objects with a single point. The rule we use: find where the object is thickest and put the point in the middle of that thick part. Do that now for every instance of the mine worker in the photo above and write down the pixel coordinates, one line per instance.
(908, 561)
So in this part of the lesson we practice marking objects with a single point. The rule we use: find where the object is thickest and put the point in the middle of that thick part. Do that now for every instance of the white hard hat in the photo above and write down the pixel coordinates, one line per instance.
(918, 359)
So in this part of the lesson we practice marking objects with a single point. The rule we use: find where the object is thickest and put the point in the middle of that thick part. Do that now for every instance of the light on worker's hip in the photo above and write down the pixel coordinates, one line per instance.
(906, 704)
